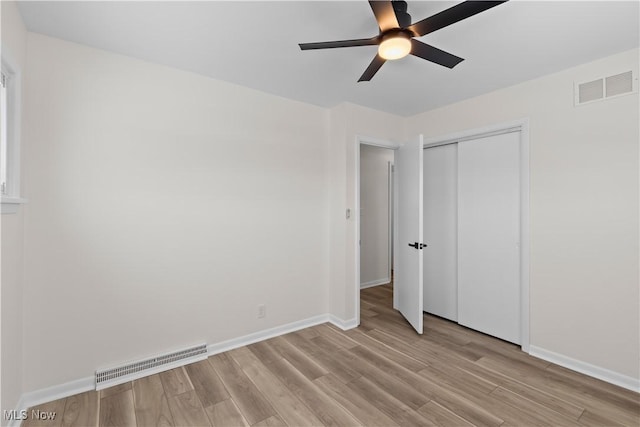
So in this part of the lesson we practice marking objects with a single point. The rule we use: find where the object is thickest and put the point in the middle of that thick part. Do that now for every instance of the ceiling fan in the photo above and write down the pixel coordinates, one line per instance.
(396, 38)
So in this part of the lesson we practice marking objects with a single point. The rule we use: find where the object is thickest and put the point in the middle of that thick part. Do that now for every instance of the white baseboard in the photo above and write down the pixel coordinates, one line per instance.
(603, 374)
(33, 398)
(376, 282)
(81, 385)
(344, 324)
(266, 334)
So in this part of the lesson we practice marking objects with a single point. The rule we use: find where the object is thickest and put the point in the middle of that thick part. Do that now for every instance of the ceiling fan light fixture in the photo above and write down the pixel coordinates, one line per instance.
(395, 46)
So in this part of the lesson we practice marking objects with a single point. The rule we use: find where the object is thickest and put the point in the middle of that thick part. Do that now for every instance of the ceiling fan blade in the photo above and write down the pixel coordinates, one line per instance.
(433, 54)
(339, 43)
(451, 16)
(385, 15)
(372, 69)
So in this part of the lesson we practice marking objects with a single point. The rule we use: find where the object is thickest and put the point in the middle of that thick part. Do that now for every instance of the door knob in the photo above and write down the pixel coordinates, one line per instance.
(417, 245)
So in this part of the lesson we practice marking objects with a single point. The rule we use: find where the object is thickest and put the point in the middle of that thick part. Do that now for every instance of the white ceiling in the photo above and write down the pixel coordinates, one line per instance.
(254, 44)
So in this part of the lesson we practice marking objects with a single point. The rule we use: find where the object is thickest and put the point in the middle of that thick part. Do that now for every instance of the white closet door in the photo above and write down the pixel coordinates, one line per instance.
(440, 231)
(488, 235)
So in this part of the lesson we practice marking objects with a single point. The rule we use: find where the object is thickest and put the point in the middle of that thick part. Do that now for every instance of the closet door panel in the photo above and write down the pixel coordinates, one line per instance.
(488, 235)
(440, 231)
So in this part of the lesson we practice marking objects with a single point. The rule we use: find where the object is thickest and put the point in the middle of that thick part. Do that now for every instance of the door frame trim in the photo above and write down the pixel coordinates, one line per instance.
(522, 126)
(375, 142)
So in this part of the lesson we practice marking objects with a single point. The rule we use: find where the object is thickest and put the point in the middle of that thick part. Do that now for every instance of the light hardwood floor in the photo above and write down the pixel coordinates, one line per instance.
(380, 374)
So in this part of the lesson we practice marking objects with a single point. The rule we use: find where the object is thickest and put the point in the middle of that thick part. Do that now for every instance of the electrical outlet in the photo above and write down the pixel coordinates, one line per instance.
(262, 311)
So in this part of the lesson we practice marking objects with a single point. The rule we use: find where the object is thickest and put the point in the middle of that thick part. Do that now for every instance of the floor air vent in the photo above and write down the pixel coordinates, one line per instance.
(606, 87)
(142, 368)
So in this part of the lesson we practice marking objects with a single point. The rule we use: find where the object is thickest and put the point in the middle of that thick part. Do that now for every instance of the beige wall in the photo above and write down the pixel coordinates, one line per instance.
(584, 292)
(375, 201)
(164, 208)
(14, 42)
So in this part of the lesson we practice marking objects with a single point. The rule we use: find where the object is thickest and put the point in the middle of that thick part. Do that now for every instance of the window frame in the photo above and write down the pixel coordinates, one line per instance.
(10, 192)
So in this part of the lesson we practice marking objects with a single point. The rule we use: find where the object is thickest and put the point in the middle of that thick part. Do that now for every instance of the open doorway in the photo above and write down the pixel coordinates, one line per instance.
(375, 215)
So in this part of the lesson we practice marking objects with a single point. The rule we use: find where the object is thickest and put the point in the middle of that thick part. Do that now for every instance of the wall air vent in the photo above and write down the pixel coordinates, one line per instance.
(605, 87)
(619, 84)
(152, 365)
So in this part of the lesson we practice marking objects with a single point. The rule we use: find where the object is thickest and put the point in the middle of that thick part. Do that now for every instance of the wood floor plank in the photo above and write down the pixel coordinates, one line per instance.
(308, 333)
(592, 419)
(252, 403)
(332, 334)
(265, 352)
(81, 410)
(455, 378)
(151, 405)
(115, 389)
(441, 416)
(545, 399)
(187, 410)
(225, 413)
(117, 410)
(509, 355)
(382, 349)
(274, 421)
(48, 414)
(175, 381)
(291, 409)
(404, 384)
(507, 407)
(300, 360)
(530, 407)
(366, 312)
(625, 399)
(206, 383)
(326, 360)
(328, 411)
(378, 322)
(437, 356)
(461, 403)
(446, 338)
(420, 350)
(604, 405)
(387, 403)
(474, 395)
(357, 405)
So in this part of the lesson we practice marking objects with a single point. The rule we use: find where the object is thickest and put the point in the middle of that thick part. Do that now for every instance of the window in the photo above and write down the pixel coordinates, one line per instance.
(10, 139)
(3, 135)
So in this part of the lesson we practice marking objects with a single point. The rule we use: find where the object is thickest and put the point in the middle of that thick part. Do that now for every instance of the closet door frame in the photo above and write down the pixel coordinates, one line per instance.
(522, 126)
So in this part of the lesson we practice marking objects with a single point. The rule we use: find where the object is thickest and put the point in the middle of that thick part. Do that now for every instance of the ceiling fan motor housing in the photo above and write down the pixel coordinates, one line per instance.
(395, 33)
(400, 8)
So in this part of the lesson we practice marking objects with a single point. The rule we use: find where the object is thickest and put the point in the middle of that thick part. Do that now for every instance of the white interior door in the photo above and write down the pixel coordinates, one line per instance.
(440, 231)
(408, 284)
(488, 235)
